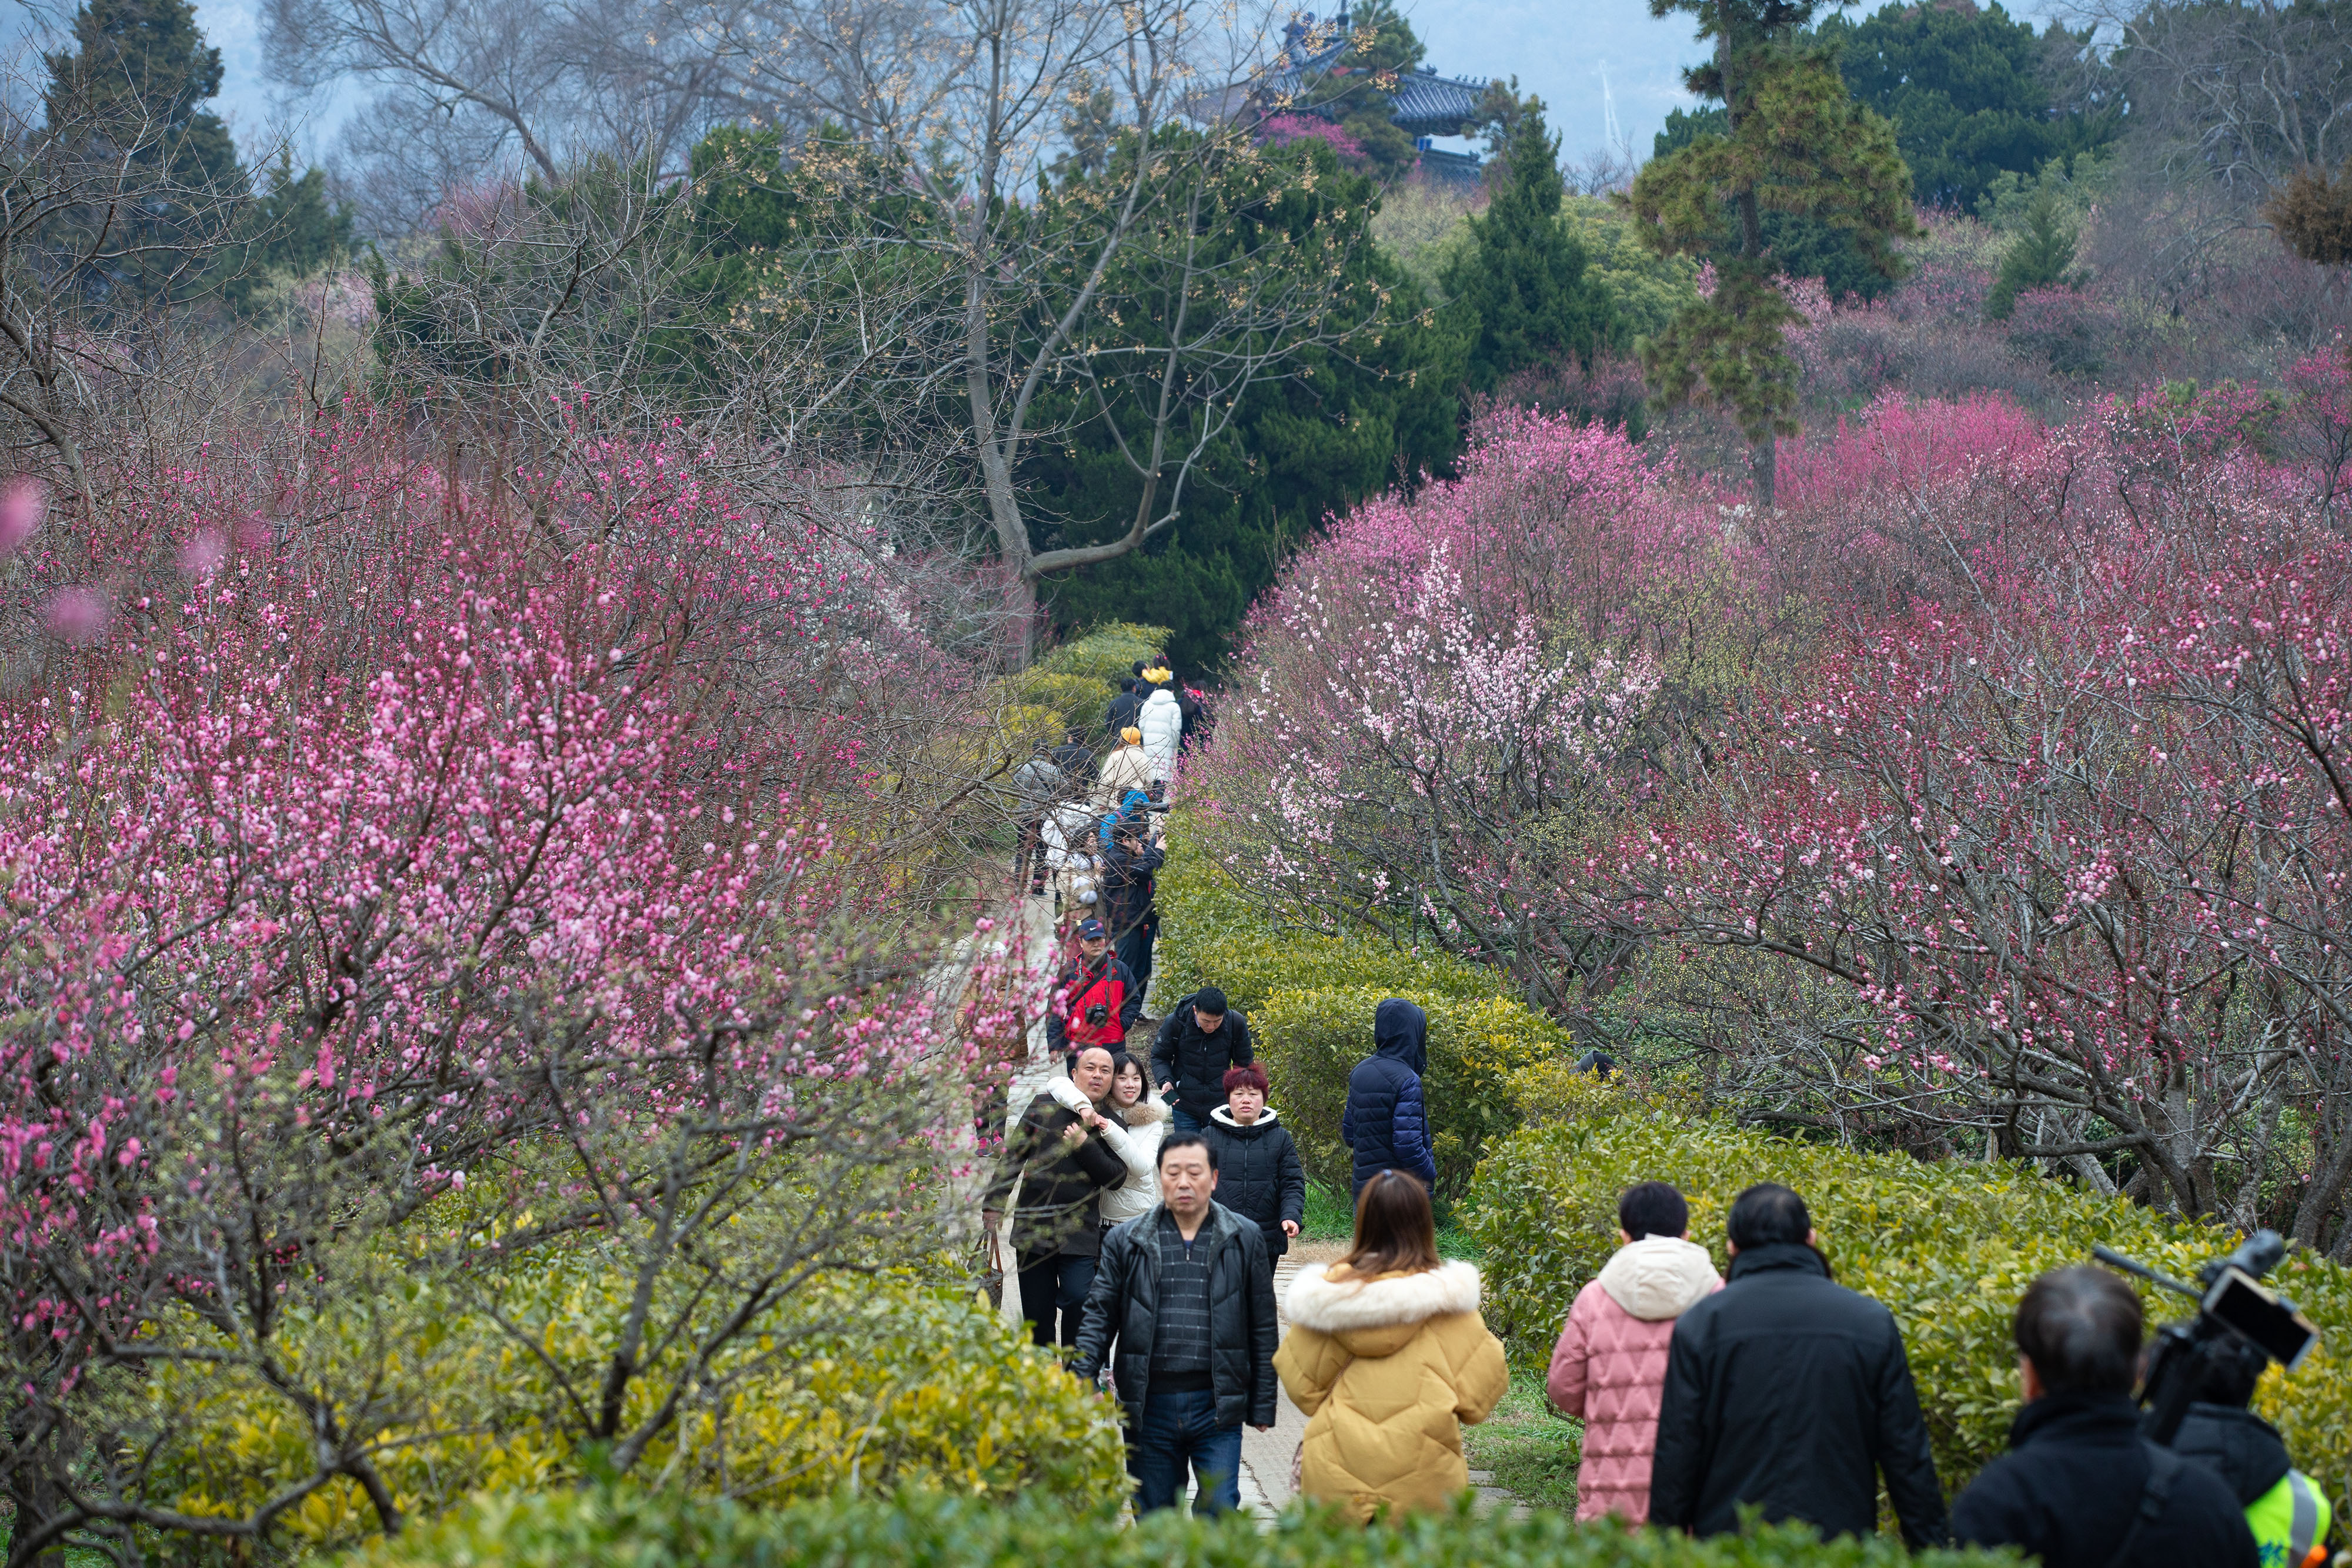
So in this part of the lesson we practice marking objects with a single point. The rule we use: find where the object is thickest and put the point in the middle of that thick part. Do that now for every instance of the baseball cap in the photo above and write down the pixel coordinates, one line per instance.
(1092, 930)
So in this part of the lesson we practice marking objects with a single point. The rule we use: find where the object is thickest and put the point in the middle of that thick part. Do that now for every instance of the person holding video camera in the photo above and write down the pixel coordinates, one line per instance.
(1094, 1000)
(2286, 1509)
(2080, 1486)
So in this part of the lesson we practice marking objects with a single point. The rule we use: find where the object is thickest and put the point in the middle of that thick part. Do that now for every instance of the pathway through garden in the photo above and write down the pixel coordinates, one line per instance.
(1266, 1455)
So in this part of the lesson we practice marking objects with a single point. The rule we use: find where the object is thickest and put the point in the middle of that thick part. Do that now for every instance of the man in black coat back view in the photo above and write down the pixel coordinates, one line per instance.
(1789, 1394)
(1127, 705)
(2080, 1487)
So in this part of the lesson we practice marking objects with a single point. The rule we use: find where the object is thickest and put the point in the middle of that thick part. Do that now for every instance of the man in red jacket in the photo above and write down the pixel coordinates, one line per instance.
(1094, 1000)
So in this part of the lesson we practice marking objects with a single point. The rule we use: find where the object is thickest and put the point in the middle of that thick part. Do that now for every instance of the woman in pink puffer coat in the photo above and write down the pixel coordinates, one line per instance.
(1610, 1366)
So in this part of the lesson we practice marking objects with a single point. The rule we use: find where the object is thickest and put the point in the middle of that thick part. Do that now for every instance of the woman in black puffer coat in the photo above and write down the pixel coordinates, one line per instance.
(1258, 1174)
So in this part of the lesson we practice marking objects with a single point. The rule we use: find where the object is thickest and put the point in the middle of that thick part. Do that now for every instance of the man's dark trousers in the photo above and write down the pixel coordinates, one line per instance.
(1180, 1429)
(1054, 1283)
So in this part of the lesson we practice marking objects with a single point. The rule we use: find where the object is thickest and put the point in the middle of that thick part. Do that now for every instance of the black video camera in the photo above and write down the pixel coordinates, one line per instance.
(2230, 1301)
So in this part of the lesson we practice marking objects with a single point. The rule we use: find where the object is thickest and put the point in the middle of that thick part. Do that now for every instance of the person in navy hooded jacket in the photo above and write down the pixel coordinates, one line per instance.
(1386, 1123)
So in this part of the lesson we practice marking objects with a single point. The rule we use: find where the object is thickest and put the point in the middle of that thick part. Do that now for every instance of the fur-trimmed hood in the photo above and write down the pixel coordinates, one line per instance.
(1378, 1317)
(1659, 1277)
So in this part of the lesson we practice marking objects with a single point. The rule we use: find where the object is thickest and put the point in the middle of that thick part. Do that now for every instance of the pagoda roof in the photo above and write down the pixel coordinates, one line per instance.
(1426, 104)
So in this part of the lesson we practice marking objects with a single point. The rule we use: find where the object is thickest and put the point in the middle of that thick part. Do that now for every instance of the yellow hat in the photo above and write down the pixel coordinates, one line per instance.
(1132, 734)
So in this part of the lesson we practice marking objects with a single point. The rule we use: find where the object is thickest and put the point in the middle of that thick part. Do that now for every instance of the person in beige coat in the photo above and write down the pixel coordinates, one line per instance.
(1388, 1356)
(1126, 767)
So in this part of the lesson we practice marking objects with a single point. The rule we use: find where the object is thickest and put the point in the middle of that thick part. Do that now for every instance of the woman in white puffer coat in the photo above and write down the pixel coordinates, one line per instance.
(1162, 721)
(1137, 1144)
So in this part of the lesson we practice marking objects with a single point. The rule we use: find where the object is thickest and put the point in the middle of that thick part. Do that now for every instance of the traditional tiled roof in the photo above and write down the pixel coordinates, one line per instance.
(1427, 104)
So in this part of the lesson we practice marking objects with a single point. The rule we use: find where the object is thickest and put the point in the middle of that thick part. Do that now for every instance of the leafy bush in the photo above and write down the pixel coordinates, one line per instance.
(621, 1530)
(1310, 1039)
(1311, 996)
(1210, 934)
(1079, 700)
(1076, 681)
(1948, 1248)
(893, 1385)
(1105, 653)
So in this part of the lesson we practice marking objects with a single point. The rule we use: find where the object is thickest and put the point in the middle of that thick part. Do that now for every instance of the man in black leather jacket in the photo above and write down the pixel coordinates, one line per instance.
(1789, 1394)
(1187, 1293)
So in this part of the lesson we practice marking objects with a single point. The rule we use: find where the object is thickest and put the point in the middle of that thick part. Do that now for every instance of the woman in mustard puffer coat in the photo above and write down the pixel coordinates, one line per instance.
(1388, 1356)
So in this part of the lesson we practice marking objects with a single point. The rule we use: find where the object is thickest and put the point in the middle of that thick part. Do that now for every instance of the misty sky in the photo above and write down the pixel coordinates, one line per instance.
(1558, 49)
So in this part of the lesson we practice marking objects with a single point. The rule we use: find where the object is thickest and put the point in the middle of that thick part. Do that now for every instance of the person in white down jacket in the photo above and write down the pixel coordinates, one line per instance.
(1136, 1144)
(1162, 721)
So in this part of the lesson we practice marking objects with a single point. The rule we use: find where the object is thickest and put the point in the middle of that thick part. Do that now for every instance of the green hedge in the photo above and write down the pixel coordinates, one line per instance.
(1105, 653)
(1076, 701)
(1310, 997)
(1949, 1248)
(1309, 1039)
(608, 1530)
(1211, 935)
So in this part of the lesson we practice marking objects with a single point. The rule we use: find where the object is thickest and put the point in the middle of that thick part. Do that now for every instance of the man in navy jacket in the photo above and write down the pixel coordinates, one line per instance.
(1385, 1123)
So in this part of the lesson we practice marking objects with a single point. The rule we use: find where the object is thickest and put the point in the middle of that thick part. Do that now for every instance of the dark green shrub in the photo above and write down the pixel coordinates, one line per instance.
(1949, 1248)
(609, 1530)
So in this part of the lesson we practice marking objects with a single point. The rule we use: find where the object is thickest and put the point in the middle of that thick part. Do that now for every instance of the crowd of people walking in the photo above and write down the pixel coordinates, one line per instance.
(1147, 1234)
(1150, 1194)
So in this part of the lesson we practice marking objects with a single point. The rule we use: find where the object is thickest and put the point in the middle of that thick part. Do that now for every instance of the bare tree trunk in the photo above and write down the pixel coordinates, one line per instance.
(32, 1491)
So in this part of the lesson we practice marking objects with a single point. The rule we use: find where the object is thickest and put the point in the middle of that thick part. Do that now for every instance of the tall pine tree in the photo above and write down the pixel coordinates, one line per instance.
(1793, 141)
(131, 94)
(1520, 287)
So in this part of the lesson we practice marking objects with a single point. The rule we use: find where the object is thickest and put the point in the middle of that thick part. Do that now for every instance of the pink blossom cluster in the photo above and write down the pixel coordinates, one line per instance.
(1437, 676)
(1281, 129)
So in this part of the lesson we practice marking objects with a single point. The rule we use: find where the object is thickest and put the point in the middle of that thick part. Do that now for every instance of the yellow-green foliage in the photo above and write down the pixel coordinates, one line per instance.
(1022, 727)
(1210, 934)
(1948, 1248)
(868, 1388)
(1068, 689)
(1423, 223)
(1310, 1039)
(1648, 289)
(618, 1527)
(1105, 653)
(1077, 700)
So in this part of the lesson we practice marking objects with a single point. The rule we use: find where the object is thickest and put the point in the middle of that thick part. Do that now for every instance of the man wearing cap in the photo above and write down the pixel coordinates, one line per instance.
(1094, 979)
(1197, 1040)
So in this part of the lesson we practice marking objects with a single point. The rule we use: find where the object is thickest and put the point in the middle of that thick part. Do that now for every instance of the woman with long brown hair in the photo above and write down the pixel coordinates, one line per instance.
(1388, 1356)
